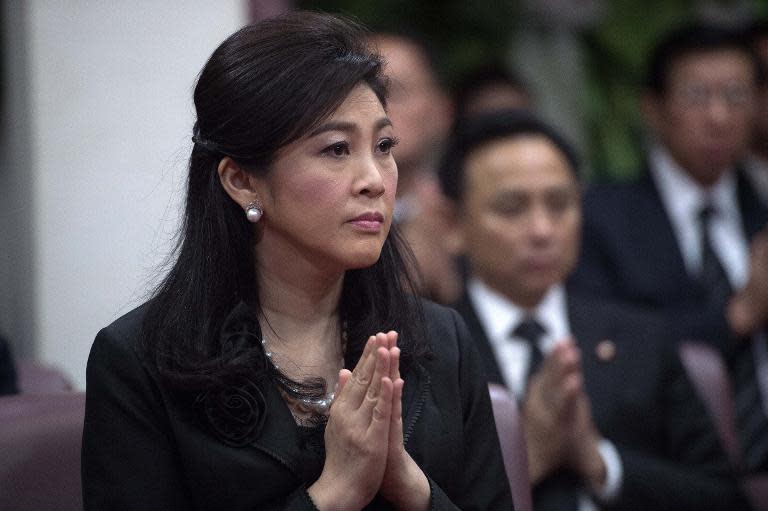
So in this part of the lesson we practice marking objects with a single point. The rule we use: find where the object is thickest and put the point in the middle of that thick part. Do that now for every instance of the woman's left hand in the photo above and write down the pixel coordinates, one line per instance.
(404, 484)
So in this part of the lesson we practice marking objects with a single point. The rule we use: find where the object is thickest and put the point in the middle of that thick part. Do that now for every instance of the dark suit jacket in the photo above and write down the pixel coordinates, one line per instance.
(642, 402)
(141, 451)
(630, 254)
(7, 370)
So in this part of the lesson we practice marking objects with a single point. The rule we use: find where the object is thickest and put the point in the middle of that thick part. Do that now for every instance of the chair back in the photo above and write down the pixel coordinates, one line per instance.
(708, 373)
(513, 448)
(706, 370)
(34, 377)
(40, 440)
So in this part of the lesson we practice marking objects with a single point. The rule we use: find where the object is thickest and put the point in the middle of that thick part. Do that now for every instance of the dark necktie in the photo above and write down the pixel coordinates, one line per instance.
(713, 279)
(750, 416)
(531, 331)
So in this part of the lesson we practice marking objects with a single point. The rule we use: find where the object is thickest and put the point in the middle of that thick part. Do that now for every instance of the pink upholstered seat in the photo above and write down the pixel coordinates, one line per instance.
(37, 378)
(40, 439)
(708, 373)
(513, 448)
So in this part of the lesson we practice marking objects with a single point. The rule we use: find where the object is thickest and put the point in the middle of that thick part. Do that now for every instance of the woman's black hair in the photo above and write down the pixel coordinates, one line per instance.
(265, 86)
(476, 130)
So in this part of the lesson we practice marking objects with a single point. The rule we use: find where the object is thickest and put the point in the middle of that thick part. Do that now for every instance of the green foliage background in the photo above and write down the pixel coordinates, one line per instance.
(614, 50)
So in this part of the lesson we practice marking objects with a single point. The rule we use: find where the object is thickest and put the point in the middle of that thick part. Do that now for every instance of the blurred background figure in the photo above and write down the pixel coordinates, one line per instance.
(610, 419)
(7, 370)
(488, 88)
(757, 162)
(677, 240)
(421, 113)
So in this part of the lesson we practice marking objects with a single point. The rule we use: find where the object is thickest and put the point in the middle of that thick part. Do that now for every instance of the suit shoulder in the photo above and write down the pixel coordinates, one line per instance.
(611, 196)
(625, 320)
(438, 316)
(123, 333)
(445, 327)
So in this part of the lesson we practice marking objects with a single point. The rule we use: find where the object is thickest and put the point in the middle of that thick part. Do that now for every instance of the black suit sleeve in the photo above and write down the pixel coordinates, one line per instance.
(7, 370)
(129, 461)
(485, 483)
(605, 269)
(128, 458)
(693, 473)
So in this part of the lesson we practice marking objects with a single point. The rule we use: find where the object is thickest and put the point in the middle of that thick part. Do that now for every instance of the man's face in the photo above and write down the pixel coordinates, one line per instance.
(761, 119)
(520, 217)
(704, 118)
(417, 105)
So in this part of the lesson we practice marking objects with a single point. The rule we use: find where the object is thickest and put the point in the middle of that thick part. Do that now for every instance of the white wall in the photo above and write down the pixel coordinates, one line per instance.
(110, 120)
(17, 319)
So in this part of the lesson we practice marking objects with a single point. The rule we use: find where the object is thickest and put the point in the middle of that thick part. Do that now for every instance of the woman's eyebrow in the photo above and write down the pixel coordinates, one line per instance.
(333, 126)
(347, 126)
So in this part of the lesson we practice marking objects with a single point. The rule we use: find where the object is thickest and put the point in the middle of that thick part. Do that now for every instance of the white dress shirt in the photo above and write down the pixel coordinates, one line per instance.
(498, 317)
(683, 199)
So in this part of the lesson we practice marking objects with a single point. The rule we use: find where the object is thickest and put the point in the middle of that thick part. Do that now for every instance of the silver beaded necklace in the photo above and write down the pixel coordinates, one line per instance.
(317, 406)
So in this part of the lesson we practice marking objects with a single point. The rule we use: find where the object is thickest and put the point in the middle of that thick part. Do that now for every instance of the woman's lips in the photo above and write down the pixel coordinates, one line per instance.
(368, 222)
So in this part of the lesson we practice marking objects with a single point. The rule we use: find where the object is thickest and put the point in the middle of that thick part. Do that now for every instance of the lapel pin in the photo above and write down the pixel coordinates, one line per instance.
(605, 350)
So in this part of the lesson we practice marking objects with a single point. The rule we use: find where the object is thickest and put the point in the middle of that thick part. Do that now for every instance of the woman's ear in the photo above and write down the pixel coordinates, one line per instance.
(237, 182)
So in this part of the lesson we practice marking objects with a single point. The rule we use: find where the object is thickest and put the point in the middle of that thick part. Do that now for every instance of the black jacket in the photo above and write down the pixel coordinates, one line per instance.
(140, 450)
(643, 403)
(630, 255)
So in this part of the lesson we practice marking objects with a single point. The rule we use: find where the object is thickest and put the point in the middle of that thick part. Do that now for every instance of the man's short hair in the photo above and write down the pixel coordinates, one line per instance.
(693, 39)
(475, 131)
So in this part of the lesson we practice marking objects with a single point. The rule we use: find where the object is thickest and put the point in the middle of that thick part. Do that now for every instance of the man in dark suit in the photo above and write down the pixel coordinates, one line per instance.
(610, 420)
(756, 166)
(688, 239)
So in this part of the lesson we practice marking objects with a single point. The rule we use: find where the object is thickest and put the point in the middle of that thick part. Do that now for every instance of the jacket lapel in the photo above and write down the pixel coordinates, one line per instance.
(754, 215)
(480, 338)
(280, 437)
(657, 233)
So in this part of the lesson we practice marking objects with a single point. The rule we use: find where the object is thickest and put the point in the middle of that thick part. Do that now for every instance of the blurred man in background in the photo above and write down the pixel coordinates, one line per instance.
(488, 88)
(688, 239)
(757, 162)
(609, 417)
(421, 114)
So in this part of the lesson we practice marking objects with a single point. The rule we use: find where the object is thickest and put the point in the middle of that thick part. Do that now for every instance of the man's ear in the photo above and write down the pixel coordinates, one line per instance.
(237, 182)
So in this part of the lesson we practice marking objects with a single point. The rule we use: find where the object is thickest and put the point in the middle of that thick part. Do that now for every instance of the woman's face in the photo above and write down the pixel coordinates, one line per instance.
(328, 197)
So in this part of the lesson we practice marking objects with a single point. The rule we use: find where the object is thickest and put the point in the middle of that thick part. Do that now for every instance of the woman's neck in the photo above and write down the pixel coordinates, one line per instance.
(300, 324)
(299, 306)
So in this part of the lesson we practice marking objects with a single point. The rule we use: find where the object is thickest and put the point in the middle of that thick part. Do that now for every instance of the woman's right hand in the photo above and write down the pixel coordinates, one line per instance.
(357, 434)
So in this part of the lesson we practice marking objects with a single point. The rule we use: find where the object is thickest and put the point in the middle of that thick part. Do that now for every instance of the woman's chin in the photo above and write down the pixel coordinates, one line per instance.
(363, 260)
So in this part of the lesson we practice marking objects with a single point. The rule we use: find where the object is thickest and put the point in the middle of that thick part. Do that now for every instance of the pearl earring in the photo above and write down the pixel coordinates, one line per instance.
(254, 210)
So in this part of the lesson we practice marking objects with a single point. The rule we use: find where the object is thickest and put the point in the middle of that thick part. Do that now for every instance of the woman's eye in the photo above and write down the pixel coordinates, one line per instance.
(337, 149)
(386, 145)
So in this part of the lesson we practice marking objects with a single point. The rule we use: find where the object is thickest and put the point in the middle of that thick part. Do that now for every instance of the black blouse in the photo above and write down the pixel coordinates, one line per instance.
(141, 451)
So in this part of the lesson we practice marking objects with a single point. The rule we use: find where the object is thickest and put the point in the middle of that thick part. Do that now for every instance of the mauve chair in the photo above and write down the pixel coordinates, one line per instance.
(512, 438)
(40, 440)
(708, 373)
(35, 377)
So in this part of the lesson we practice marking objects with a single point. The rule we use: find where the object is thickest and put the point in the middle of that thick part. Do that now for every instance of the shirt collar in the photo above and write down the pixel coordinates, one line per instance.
(682, 196)
(499, 315)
